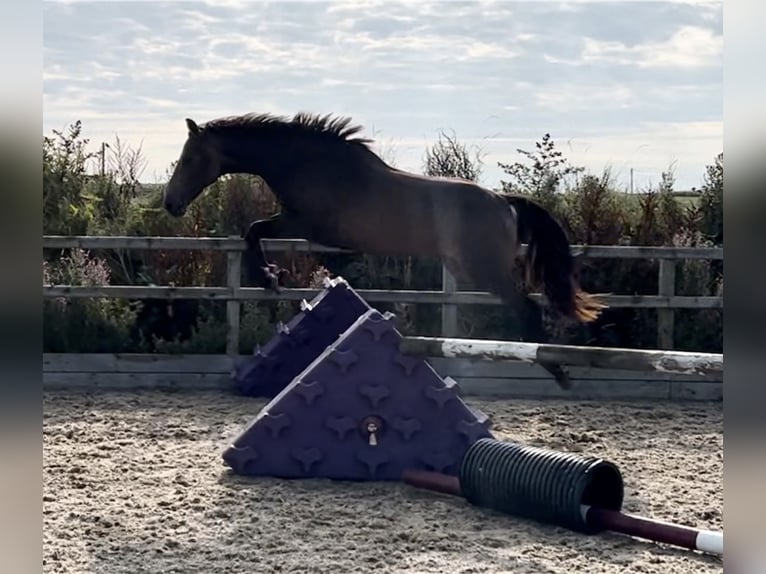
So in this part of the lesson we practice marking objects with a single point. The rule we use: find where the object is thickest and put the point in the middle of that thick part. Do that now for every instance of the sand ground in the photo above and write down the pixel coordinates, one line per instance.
(134, 482)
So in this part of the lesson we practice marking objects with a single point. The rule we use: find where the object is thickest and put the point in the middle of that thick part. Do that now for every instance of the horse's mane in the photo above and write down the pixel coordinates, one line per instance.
(339, 128)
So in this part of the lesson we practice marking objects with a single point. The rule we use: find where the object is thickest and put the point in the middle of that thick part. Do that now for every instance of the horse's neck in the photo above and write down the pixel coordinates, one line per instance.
(255, 157)
(292, 171)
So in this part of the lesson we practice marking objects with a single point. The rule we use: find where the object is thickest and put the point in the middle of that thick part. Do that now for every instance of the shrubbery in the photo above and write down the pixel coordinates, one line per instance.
(590, 207)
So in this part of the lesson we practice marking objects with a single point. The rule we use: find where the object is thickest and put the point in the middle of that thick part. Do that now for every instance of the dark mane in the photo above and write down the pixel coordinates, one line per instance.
(338, 128)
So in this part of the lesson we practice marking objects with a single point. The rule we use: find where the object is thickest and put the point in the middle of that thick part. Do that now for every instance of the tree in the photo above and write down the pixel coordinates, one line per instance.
(543, 175)
(711, 201)
(65, 210)
(450, 158)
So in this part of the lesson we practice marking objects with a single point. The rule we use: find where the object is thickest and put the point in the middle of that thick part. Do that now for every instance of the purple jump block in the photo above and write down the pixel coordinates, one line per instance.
(299, 342)
(360, 411)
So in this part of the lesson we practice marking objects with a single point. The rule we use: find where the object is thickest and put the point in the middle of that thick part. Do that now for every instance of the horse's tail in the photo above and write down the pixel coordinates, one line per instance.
(549, 261)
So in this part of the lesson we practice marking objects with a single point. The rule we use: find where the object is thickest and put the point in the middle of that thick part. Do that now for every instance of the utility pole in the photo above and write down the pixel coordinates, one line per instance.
(104, 145)
(631, 181)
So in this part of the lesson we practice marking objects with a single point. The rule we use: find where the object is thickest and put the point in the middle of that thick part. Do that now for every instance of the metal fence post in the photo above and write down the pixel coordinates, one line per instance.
(666, 317)
(233, 307)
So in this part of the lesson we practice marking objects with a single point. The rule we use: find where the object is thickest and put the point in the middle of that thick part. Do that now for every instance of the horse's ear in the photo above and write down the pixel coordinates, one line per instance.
(193, 127)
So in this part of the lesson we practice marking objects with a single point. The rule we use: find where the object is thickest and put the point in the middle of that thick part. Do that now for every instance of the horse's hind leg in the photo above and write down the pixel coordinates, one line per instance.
(489, 271)
(533, 330)
(531, 322)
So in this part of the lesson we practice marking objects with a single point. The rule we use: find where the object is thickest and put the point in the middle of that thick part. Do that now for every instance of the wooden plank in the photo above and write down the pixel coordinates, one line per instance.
(581, 390)
(646, 252)
(138, 363)
(485, 388)
(685, 391)
(233, 307)
(218, 363)
(599, 357)
(129, 242)
(665, 317)
(103, 371)
(449, 312)
(373, 295)
(136, 381)
(300, 245)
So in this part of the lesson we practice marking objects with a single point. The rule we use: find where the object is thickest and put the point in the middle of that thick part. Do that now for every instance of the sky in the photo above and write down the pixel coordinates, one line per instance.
(618, 85)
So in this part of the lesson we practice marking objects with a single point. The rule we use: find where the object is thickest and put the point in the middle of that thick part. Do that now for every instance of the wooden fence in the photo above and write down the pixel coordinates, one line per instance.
(448, 297)
(480, 378)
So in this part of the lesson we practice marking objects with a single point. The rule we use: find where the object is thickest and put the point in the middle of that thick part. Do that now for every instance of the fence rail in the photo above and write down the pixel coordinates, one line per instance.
(448, 297)
(236, 243)
(509, 380)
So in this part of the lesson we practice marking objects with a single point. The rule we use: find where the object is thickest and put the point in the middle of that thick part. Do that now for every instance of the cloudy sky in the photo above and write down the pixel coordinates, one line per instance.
(622, 84)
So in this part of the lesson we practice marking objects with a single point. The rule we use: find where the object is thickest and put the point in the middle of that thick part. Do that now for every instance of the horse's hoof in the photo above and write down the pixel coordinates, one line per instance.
(559, 375)
(564, 382)
(271, 280)
(277, 271)
(562, 379)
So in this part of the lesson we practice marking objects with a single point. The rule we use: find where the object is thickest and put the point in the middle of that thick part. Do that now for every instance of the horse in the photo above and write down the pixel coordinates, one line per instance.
(334, 190)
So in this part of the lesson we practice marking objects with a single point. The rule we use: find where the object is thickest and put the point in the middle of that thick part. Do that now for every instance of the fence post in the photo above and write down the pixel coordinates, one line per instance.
(666, 317)
(233, 282)
(449, 311)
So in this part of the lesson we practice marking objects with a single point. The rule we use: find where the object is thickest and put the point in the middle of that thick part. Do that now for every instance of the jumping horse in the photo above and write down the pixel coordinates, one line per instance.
(335, 191)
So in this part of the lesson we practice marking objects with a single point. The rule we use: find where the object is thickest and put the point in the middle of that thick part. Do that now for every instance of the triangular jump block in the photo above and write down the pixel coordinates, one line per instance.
(360, 411)
(300, 341)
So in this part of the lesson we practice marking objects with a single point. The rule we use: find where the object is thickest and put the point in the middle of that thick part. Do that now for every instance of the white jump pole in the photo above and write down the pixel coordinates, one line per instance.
(573, 355)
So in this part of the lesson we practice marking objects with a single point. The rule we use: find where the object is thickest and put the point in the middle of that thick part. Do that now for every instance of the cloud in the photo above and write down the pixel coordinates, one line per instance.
(498, 72)
(688, 47)
(587, 97)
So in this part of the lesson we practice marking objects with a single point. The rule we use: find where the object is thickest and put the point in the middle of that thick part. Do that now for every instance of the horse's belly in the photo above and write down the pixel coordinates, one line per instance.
(384, 235)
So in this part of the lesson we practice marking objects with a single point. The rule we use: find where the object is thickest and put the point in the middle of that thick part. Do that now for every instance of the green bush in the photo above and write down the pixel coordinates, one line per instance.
(91, 325)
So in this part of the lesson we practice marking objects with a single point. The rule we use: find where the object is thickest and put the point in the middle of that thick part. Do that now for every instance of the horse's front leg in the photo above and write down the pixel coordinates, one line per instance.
(259, 270)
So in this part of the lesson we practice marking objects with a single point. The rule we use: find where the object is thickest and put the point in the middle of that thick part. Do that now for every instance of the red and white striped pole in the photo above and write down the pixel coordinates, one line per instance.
(707, 541)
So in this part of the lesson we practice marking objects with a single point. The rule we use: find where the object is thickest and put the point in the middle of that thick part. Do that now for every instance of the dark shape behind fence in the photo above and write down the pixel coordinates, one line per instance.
(360, 411)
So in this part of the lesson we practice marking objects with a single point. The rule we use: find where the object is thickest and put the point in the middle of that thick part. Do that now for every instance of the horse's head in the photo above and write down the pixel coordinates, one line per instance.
(198, 167)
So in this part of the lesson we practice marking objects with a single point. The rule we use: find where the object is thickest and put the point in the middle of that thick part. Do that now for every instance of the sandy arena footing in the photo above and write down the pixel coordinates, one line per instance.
(134, 482)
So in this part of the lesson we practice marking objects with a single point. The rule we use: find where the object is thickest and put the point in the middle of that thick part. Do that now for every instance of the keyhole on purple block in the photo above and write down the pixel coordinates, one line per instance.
(372, 426)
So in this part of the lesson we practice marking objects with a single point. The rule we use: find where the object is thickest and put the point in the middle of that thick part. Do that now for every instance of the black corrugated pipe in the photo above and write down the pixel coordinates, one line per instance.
(539, 484)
